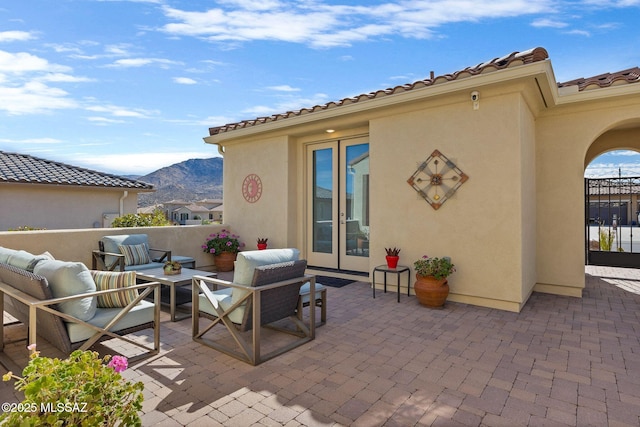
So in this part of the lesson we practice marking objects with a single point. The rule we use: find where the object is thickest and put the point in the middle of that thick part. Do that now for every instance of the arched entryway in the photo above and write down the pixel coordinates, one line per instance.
(612, 198)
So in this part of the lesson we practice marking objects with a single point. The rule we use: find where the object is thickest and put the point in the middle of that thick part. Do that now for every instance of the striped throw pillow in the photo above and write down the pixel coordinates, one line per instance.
(115, 280)
(135, 254)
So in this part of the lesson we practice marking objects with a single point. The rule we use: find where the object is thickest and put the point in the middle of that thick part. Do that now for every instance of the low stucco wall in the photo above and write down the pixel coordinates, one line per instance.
(76, 245)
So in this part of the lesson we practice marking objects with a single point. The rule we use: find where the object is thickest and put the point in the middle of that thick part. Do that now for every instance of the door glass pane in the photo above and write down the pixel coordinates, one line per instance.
(323, 200)
(357, 192)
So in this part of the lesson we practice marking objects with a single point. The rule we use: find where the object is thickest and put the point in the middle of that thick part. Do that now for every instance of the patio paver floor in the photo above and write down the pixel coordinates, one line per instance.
(562, 361)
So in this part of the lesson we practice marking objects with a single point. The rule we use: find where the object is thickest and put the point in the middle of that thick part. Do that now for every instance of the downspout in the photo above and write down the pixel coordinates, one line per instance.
(124, 196)
(220, 149)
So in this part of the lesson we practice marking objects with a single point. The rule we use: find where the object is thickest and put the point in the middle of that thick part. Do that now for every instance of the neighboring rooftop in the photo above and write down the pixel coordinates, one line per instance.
(22, 168)
(537, 54)
(631, 75)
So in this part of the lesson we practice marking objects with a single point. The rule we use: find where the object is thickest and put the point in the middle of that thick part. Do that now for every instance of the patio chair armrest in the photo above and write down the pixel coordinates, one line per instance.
(216, 282)
(32, 301)
(166, 255)
(98, 261)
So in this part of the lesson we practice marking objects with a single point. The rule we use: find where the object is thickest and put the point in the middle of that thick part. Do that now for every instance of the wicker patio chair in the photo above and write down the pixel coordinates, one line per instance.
(244, 310)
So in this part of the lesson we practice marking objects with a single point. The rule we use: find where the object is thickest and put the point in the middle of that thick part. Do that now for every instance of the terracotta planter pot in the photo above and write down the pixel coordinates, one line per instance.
(392, 261)
(224, 261)
(430, 291)
(262, 246)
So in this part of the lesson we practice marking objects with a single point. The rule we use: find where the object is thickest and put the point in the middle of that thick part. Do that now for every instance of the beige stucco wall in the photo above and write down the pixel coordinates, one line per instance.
(76, 245)
(516, 226)
(480, 228)
(568, 137)
(273, 215)
(528, 213)
(616, 139)
(59, 207)
(488, 227)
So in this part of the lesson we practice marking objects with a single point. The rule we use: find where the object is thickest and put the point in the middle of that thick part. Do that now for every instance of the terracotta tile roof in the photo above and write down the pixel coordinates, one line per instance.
(513, 59)
(21, 168)
(631, 75)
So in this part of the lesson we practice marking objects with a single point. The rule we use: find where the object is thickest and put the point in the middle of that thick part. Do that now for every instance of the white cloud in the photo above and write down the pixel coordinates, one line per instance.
(283, 88)
(184, 81)
(623, 153)
(102, 121)
(12, 36)
(288, 104)
(612, 170)
(23, 62)
(548, 23)
(139, 163)
(118, 111)
(32, 98)
(323, 25)
(579, 33)
(24, 88)
(31, 141)
(66, 78)
(141, 62)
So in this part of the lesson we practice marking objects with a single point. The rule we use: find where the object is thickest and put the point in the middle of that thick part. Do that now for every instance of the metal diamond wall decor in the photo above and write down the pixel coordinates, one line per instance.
(437, 179)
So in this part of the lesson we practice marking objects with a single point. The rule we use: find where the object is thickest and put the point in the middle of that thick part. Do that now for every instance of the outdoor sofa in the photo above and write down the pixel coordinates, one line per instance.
(72, 307)
(130, 252)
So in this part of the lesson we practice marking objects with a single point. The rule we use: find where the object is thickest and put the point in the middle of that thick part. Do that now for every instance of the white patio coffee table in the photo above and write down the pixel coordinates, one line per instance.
(173, 281)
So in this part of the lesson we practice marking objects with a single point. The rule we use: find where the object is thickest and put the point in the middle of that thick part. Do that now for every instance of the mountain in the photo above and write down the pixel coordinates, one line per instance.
(191, 180)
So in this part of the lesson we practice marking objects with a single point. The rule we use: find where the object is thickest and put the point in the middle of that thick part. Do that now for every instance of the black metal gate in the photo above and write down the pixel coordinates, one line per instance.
(612, 221)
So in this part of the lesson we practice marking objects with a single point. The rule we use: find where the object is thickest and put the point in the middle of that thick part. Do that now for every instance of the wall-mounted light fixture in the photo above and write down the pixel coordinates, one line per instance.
(475, 99)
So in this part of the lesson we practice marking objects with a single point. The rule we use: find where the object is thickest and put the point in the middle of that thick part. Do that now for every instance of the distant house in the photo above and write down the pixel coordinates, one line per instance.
(46, 194)
(185, 213)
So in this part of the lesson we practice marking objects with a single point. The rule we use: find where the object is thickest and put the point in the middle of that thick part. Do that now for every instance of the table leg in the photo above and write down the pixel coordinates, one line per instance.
(172, 302)
(385, 282)
(408, 282)
(374, 283)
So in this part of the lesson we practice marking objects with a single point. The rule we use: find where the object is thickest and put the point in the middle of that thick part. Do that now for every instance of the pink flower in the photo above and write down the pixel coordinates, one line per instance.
(212, 251)
(118, 363)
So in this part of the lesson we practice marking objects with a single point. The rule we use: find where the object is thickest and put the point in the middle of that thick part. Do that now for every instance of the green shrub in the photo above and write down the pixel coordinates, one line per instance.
(606, 239)
(156, 219)
(26, 228)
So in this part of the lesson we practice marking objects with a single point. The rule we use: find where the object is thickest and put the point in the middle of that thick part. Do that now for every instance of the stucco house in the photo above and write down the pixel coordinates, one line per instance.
(183, 212)
(485, 165)
(46, 194)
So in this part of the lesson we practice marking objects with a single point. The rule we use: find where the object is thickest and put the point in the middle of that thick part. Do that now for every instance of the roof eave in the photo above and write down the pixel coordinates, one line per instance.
(571, 95)
(79, 186)
(541, 69)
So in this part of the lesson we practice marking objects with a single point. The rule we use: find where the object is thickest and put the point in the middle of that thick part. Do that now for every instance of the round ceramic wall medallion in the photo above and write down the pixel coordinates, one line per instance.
(252, 188)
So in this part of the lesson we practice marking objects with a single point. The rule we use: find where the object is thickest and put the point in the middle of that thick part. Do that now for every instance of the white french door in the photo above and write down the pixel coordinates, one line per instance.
(338, 204)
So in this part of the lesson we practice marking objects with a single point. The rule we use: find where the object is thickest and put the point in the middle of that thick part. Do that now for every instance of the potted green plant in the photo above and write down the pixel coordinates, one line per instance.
(262, 243)
(432, 287)
(172, 267)
(83, 389)
(392, 257)
(224, 246)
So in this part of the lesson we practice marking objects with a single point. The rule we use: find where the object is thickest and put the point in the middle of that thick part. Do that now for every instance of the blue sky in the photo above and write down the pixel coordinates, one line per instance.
(130, 86)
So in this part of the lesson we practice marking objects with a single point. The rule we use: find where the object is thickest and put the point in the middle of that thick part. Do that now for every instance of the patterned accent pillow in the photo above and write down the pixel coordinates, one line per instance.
(135, 254)
(115, 280)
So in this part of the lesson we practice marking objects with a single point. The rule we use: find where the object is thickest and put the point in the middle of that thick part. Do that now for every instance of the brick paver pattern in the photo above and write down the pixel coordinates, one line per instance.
(561, 361)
